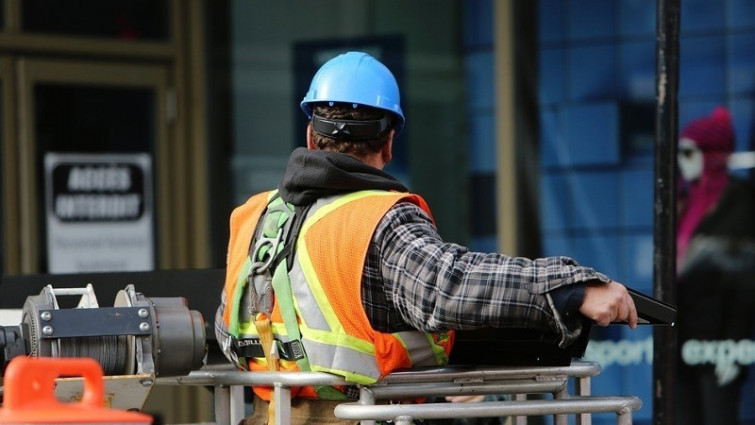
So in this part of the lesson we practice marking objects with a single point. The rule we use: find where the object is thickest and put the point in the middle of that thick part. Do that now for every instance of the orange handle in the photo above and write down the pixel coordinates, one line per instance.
(31, 381)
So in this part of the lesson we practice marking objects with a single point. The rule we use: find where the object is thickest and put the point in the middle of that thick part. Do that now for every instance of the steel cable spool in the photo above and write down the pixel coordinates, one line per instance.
(110, 351)
(139, 335)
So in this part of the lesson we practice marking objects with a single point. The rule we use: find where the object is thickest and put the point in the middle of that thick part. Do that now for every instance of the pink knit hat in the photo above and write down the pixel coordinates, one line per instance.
(712, 133)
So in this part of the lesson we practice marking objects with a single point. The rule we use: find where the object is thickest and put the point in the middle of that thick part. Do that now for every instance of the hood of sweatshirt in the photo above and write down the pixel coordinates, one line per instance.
(313, 174)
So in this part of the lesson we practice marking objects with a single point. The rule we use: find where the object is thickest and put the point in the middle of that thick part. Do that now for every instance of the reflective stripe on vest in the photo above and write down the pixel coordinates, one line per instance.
(417, 344)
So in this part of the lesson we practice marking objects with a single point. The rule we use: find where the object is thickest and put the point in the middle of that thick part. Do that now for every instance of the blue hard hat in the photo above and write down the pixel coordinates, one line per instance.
(355, 77)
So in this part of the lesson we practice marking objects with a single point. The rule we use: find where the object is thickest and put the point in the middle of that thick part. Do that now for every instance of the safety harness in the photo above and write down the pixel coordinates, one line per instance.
(267, 284)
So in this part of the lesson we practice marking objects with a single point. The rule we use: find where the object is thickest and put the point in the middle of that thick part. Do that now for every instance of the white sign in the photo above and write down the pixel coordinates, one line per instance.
(99, 212)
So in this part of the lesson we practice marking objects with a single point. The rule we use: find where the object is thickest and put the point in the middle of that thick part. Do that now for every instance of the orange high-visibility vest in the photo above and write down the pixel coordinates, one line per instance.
(326, 282)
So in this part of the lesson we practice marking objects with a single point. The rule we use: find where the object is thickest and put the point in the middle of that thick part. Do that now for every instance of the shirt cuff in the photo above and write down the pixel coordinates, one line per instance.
(567, 300)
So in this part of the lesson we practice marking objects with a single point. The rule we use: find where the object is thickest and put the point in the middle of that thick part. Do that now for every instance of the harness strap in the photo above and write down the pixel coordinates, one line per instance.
(235, 302)
(290, 238)
(285, 300)
(252, 347)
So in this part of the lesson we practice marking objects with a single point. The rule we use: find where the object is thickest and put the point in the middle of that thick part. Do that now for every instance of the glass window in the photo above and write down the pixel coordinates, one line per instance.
(278, 46)
(144, 20)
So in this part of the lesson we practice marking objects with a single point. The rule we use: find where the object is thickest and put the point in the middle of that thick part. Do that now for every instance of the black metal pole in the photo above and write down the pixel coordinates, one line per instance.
(664, 224)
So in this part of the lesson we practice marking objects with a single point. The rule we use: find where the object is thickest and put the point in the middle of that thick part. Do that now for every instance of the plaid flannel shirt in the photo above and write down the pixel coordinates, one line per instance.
(414, 280)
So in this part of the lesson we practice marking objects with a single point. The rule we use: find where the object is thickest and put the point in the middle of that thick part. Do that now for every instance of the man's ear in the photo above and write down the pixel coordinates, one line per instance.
(387, 151)
(310, 142)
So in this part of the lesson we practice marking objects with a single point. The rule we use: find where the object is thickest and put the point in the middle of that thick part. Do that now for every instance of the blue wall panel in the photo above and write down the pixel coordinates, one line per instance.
(479, 80)
(740, 64)
(637, 17)
(551, 76)
(701, 15)
(637, 70)
(555, 202)
(478, 24)
(637, 197)
(595, 199)
(551, 27)
(599, 250)
(591, 19)
(707, 56)
(592, 72)
(741, 14)
(637, 256)
(484, 244)
(482, 156)
(592, 134)
(555, 245)
(743, 115)
(552, 147)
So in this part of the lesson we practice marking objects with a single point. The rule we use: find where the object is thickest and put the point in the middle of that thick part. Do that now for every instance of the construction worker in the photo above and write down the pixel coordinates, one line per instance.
(343, 268)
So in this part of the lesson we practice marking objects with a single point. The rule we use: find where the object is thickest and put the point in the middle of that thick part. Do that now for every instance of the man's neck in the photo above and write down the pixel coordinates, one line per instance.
(373, 160)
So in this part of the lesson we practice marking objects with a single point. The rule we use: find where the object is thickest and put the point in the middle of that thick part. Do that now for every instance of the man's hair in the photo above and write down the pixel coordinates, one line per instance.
(343, 111)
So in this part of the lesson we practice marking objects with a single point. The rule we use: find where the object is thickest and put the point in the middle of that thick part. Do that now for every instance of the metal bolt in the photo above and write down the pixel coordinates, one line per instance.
(144, 326)
(143, 312)
(47, 330)
(146, 382)
(46, 316)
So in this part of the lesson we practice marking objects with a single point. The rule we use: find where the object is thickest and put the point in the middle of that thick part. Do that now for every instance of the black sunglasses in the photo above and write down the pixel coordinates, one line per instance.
(687, 152)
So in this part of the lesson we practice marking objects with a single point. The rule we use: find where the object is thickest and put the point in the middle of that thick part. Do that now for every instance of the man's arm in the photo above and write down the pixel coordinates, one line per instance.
(436, 285)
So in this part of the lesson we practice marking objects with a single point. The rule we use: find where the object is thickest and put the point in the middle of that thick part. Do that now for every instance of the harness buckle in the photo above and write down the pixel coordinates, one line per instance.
(265, 242)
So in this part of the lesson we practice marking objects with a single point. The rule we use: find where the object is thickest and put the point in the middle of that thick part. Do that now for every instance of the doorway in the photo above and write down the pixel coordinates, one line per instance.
(95, 109)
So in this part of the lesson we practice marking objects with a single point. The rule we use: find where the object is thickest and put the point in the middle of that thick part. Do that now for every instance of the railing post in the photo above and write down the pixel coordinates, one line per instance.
(367, 397)
(520, 420)
(583, 389)
(222, 405)
(282, 404)
(562, 419)
(624, 417)
(237, 404)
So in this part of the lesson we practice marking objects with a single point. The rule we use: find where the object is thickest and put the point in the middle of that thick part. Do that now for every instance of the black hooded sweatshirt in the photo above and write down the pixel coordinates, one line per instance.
(313, 174)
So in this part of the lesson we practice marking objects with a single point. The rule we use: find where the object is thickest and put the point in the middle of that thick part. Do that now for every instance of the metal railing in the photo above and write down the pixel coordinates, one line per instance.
(516, 381)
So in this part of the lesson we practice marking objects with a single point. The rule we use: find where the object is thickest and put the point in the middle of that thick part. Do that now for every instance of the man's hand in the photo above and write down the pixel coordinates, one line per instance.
(609, 302)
